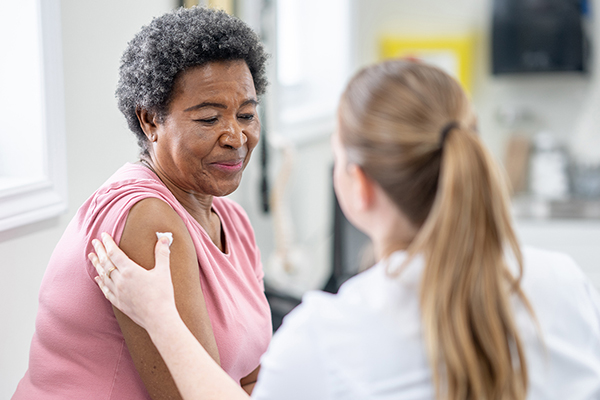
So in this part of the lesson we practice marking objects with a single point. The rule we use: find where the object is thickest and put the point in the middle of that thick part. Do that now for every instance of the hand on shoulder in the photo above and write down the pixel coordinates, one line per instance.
(146, 296)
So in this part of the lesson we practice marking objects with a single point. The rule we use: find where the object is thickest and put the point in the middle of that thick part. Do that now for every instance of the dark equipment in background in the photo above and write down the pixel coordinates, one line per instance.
(264, 165)
(281, 304)
(350, 254)
(350, 250)
(539, 36)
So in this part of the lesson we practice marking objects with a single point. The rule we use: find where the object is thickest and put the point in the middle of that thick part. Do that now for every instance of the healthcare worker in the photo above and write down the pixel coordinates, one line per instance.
(453, 309)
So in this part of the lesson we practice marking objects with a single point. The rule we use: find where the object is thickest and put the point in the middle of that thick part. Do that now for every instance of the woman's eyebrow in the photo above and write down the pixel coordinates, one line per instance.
(254, 102)
(219, 105)
(206, 104)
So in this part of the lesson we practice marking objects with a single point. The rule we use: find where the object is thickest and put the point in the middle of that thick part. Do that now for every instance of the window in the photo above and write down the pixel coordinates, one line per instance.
(313, 64)
(32, 149)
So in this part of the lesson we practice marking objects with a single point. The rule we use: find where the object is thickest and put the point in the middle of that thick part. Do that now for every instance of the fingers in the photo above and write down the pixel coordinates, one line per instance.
(102, 267)
(165, 234)
(107, 292)
(105, 268)
(115, 269)
(96, 263)
(162, 252)
(100, 259)
(113, 251)
(103, 287)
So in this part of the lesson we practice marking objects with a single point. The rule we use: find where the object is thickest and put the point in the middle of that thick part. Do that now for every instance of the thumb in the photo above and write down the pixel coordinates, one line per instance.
(161, 253)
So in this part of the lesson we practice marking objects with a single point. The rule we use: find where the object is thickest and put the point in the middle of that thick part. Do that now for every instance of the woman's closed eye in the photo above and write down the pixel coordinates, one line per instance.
(209, 121)
(247, 117)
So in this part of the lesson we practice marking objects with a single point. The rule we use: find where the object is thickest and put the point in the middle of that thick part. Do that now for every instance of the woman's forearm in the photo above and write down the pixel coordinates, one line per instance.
(196, 374)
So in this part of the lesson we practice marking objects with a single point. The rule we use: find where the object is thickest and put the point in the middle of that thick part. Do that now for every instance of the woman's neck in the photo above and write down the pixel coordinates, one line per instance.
(390, 229)
(384, 248)
(198, 205)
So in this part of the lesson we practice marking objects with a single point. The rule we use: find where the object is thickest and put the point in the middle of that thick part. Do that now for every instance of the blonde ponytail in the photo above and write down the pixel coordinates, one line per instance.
(471, 336)
(411, 128)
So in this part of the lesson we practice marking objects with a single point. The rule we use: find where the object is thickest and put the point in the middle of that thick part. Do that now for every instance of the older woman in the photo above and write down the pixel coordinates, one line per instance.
(189, 87)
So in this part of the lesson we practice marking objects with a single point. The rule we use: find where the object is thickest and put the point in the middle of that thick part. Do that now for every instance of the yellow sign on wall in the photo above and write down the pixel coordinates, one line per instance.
(453, 54)
(226, 5)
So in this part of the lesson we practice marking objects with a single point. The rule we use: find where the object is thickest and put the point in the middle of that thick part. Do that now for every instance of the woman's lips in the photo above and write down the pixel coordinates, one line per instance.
(229, 166)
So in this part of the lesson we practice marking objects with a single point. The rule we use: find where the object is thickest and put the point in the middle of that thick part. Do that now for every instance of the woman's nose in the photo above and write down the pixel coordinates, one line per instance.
(233, 136)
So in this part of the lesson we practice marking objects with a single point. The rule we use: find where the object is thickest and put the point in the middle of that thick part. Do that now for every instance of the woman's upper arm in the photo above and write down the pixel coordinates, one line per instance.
(138, 240)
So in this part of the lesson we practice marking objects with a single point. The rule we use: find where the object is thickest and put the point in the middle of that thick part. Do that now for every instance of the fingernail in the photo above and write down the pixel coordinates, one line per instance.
(167, 235)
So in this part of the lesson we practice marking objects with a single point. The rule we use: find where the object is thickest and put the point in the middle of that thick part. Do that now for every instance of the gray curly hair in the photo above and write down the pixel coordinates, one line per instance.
(171, 44)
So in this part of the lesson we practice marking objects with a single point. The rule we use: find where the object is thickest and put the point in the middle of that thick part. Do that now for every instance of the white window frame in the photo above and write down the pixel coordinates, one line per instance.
(262, 16)
(29, 200)
(313, 122)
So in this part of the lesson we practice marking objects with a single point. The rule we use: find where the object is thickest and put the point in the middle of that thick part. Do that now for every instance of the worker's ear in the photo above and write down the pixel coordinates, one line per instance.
(148, 122)
(363, 188)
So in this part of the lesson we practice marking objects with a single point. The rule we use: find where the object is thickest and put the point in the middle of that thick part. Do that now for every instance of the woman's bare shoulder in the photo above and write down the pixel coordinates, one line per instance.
(147, 217)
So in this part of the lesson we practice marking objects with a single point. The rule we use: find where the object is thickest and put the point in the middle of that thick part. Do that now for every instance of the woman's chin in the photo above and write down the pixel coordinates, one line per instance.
(225, 190)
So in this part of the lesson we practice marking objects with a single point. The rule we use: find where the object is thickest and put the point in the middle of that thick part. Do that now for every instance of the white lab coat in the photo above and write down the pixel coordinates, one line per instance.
(367, 343)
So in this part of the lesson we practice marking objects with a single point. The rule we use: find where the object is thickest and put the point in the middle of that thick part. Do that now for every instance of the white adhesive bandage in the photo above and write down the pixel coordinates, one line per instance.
(167, 234)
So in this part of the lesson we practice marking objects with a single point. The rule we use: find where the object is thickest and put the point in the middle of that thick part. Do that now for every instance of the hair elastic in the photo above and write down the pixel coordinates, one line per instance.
(445, 130)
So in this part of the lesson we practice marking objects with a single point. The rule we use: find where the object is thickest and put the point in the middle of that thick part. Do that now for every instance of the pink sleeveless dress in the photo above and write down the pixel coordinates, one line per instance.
(78, 350)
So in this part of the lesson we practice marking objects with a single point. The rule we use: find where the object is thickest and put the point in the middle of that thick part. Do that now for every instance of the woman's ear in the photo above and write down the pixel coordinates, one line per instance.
(363, 188)
(148, 123)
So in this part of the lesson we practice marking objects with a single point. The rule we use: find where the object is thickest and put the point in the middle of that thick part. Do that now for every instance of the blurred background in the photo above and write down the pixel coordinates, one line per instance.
(528, 65)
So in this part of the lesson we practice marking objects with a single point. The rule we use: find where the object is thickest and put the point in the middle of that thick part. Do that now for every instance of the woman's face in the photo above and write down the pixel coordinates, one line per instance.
(342, 179)
(211, 128)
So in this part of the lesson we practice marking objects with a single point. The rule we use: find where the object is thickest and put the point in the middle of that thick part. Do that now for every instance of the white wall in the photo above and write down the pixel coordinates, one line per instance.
(98, 142)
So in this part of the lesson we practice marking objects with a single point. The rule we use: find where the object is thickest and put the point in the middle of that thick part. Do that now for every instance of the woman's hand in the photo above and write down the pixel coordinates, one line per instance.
(146, 296)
